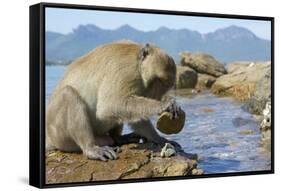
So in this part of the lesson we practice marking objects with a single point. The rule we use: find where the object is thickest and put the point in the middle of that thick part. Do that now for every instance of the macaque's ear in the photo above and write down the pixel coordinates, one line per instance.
(144, 51)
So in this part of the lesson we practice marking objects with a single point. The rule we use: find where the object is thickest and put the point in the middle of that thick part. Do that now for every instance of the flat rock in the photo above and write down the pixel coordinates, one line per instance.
(241, 83)
(135, 161)
(203, 63)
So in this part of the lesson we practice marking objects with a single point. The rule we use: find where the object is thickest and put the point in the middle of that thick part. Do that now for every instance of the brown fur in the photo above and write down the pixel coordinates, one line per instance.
(121, 82)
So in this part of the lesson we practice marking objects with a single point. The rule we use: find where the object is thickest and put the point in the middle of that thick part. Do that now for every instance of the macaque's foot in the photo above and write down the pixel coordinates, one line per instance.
(172, 107)
(128, 138)
(102, 153)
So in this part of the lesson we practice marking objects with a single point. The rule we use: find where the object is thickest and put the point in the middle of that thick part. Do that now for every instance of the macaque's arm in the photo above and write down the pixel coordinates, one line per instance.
(132, 108)
(138, 107)
(143, 108)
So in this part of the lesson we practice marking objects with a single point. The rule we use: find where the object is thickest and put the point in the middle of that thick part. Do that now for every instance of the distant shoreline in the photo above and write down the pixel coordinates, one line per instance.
(57, 63)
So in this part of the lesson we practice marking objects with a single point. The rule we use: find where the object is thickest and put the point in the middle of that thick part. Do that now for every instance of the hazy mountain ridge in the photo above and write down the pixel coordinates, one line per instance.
(226, 44)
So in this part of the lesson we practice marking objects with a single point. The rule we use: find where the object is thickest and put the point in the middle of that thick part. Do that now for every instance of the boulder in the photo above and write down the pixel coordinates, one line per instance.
(186, 77)
(203, 63)
(260, 104)
(262, 95)
(135, 161)
(232, 67)
(241, 83)
(205, 81)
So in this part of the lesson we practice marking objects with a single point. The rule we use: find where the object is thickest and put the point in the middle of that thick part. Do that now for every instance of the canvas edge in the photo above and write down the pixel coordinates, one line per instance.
(37, 92)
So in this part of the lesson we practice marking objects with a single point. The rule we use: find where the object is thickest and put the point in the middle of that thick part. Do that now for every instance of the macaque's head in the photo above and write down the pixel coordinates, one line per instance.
(157, 67)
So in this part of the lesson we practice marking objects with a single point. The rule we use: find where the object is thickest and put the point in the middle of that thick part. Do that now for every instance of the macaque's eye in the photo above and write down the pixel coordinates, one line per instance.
(144, 52)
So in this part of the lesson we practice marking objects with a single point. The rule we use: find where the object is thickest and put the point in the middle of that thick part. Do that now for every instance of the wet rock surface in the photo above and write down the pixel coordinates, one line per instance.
(135, 161)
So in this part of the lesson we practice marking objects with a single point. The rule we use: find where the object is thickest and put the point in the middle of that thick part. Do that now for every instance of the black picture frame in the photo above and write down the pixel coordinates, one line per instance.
(37, 92)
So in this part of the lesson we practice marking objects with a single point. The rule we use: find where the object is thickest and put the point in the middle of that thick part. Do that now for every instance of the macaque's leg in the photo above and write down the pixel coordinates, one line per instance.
(104, 140)
(145, 129)
(116, 131)
(128, 138)
(68, 125)
(49, 145)
(119, 139)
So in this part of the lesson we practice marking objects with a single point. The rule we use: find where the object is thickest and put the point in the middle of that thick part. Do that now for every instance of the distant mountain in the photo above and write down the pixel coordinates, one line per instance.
(227, 44)
(52, 36)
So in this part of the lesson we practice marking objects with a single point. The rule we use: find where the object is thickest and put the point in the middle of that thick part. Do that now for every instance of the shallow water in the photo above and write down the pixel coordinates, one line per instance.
(225, 137)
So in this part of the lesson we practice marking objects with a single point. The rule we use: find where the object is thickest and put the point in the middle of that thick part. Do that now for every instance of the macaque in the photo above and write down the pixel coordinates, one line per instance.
(117, 83)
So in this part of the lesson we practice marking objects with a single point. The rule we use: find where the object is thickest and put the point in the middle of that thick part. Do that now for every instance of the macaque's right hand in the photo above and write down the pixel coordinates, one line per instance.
(170, 105)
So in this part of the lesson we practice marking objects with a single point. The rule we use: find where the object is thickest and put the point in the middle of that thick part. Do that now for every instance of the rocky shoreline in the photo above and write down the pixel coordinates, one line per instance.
(135, 161)
(245, 81)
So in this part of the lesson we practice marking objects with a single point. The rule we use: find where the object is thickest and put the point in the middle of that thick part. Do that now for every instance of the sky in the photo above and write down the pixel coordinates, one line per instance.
(64, 20)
